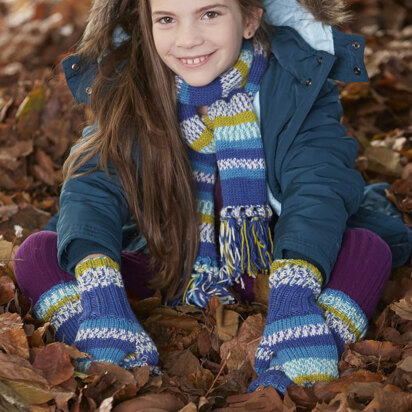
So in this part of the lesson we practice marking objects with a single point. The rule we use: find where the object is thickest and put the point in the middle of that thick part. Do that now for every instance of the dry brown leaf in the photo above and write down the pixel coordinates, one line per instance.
(227, 322)
(265, 400)
(14, 342)
(406, 364)
(244, 345)
(190, 407)
(341, 384)
(391, 399)
(298, 398)
(381, 350)
(403, 308)
(13, 339)
(7, 289)
(55, 364)
(181, 363)
(153, 401)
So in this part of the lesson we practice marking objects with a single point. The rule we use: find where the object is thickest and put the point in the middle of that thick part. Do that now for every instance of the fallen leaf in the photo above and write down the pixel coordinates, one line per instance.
(7, 289)
(388, 399)
(227, 322)
(181, 363)
(406, 364)
(265, 400)
(381, 350)
(403, 308)
(243, 346)
(55, 363)
(341, 384)
(11, 401)
(154, 401)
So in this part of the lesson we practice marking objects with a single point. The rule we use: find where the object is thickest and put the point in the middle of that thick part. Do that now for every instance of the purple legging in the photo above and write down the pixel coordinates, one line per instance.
(36, 268)
(361, 270)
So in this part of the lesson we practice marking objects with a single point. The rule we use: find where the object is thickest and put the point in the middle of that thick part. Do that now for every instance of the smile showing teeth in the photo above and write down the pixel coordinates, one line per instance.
(197, 60)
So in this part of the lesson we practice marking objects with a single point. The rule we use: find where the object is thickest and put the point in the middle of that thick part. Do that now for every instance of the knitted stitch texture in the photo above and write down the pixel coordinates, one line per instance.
(61, 306)
(108, 329)
(295, 327)
(345, 318)
(228, 139)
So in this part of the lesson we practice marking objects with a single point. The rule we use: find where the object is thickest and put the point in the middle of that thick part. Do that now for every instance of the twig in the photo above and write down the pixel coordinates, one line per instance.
(218, 374)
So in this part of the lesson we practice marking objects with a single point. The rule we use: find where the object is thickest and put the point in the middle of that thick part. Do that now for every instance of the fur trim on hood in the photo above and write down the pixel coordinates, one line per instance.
(330, 12)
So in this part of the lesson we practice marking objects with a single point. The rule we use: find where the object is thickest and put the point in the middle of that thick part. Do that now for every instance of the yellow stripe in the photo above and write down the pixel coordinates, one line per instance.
(203, 140)
(206, 218)
(316, 377)
(226, 121)
(280, 264)
(208, 122)
(342, 317)
(53, 309)
(95, 263)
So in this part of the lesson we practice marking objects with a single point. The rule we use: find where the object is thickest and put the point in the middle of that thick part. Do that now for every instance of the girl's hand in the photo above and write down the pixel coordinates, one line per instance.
(296, 337)
(108, 330)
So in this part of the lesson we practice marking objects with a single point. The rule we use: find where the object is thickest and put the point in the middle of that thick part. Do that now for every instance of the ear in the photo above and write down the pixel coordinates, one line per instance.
(252, 23)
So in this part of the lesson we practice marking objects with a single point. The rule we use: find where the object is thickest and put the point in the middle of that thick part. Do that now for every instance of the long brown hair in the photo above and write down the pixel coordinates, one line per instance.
(134, 102)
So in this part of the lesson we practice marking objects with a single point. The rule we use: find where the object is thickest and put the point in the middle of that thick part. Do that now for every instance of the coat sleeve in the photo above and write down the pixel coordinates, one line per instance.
(93, 209)
(320, 187)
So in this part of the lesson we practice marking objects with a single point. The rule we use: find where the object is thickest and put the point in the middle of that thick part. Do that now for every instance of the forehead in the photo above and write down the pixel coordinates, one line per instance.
(191, 5)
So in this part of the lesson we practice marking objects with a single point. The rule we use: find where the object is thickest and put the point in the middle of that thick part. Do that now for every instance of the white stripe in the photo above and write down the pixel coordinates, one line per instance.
(247, 164)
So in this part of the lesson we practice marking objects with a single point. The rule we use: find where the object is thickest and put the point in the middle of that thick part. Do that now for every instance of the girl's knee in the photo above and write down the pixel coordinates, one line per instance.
(35, 264)
(369, 242)
(37, 243)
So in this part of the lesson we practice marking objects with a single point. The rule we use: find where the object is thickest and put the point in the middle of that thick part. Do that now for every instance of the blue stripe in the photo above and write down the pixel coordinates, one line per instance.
(258, 174)
(302, 343)
(292, 322)
(327, 352)
(208, 196)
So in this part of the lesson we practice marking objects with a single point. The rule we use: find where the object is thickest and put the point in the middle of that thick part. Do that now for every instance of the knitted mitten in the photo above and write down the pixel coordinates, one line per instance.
(345, 318)
(61, 306)
(295, 327)
(273, 376)
(108, 329)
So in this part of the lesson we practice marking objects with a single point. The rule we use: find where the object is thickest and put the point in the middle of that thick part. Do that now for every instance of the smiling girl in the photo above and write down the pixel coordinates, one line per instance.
(216, 154)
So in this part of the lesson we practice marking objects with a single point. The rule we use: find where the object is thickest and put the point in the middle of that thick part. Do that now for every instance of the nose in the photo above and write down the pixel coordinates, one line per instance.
(188, 35)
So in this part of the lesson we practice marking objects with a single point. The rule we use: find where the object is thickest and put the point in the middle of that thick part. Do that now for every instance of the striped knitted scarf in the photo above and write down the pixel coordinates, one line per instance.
(227, 141)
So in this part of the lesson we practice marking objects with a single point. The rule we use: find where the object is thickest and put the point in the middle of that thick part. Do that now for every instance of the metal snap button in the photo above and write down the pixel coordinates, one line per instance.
(75, 67)
(89, 90)
(357, 70)
(356, 45)
(308, 82)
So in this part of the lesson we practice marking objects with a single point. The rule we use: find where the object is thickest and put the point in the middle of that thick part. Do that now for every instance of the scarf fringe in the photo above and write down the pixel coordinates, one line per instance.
(207, 280)
(245, 240)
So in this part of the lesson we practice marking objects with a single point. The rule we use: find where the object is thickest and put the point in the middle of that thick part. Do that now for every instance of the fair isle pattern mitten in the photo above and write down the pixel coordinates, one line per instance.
(345, 318)
(108, 329)
(60, 306)
(295, 329)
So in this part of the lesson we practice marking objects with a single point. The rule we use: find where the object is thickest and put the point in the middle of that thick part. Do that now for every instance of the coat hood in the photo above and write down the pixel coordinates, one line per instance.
(329, 12)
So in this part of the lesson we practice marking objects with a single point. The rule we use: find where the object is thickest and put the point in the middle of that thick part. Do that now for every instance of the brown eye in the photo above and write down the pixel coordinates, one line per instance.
(211, 14)
(166, 20)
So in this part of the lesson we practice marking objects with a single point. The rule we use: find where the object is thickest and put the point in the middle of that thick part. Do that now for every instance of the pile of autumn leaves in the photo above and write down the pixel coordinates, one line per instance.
(206, 355)
(207, 361)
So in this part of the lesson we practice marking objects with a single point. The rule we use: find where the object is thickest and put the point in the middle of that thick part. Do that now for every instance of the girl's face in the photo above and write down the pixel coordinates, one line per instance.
(199, 39)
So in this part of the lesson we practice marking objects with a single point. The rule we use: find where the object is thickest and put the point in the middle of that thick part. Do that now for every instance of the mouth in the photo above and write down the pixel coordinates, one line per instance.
(195, 61)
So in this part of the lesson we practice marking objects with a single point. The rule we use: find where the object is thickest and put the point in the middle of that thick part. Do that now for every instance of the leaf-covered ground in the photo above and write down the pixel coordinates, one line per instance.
(206, 356)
